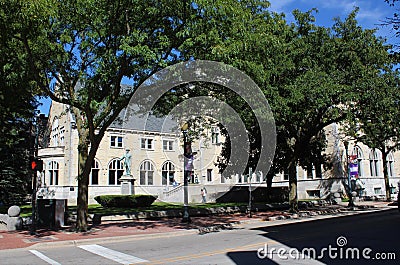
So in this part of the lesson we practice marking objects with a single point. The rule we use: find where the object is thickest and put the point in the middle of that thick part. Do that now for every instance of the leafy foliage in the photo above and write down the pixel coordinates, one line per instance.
(17, 102)
(125, 201)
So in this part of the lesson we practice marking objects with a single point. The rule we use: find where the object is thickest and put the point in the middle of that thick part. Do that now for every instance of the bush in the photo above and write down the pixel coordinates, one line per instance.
(125, 201)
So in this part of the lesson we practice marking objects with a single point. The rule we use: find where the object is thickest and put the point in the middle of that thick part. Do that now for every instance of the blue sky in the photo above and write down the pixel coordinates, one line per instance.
(371, 15)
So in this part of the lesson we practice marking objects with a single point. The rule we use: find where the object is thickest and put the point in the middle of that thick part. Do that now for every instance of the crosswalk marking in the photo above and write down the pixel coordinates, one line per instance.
(116, 256)
(43, 257)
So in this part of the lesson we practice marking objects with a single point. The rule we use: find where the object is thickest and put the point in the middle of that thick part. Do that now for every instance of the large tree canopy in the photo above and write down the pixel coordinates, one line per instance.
(375, 119)
(89, 46)
(308, 74)
(17, 101)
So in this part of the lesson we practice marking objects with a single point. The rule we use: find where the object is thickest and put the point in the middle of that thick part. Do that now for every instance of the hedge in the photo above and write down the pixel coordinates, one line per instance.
(125, 201)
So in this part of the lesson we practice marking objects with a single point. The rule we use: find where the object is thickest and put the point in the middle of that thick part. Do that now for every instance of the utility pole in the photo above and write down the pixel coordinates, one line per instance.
(187, 154)
(34, 177)
(346, 147)
(36, 166)
(249, 179)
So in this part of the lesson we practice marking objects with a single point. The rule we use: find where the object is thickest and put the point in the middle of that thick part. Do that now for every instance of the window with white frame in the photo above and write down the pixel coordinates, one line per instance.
(209, 175)
(115, 171)
(116, 141)
(62, 136)
(55, 131)
(374, 163)
(168, 173)
(309, 171)
(94, 173)
(360, 157)
(168, 145)
(53, 172)
(146, 173)
(214, 135)
(285, 175)
(390, 165)
(147, 143)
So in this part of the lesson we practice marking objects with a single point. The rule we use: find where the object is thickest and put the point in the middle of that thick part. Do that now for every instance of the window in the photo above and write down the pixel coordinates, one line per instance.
(209, 175)
(318, 170)
(390, 165)
(378, 190)
(168, 173)
(115, 171)
(259, 176)
(285, 175)
(62, 136)
(239, 178)
(168, 145)
(192, 178)
(222, 179)
(54, 131)
(214, 135)
(53, 172)
(94, 173)
(147, 143)
(116, 141)
(146, 173)
(309, 171)
(358, 152)
(374, 163)
(313, 193)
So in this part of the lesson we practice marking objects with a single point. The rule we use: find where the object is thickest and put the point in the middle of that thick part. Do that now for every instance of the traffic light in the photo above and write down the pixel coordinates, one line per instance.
(37, 164)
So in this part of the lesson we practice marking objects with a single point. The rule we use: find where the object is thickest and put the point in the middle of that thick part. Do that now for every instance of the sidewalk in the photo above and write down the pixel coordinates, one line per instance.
(118, 231)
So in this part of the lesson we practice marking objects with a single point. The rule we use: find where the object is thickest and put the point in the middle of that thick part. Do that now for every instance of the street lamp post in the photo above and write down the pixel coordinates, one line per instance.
(346, 147)
(249, 178)
(187, 153)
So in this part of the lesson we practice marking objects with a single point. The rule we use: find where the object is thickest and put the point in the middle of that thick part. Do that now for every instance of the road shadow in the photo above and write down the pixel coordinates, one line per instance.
(378, 231)
(248, 257)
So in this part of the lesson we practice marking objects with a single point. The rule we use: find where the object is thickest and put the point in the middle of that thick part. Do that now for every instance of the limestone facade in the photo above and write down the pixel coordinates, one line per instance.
(157, 164)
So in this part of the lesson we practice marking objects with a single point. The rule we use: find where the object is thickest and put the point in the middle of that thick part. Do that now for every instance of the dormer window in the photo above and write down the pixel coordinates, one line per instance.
(116, 141)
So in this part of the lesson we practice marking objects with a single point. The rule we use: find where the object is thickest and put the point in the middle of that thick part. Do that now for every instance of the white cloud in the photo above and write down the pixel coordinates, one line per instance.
(281, 6)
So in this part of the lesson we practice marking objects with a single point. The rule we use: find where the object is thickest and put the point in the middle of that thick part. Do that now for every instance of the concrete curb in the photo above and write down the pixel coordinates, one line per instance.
(63, 243)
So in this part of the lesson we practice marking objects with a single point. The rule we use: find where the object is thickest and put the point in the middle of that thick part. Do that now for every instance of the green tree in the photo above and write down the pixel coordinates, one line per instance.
(90, 46)
(375, 119)
(331, 68)
(308, 74)
(17, 100)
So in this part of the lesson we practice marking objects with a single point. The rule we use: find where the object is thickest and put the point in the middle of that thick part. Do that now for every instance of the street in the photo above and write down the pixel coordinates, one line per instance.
(355, 239)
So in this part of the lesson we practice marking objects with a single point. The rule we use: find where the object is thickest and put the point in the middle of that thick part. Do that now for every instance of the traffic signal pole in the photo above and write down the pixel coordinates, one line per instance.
(34, 165)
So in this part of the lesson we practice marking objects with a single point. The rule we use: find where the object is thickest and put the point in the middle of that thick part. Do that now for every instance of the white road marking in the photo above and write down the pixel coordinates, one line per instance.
(45, 258)
(112, 254)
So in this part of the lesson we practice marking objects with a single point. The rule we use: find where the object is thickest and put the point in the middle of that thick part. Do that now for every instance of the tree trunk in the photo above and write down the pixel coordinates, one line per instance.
(293, 202)
(386, 174)
(269, 177)
(83, 185)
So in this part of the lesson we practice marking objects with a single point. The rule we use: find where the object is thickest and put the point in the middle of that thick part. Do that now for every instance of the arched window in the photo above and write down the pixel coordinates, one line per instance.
(360, 157)
(115, 171)
(168, 173)
(53, 173)
(94, 173)
(390, 164)
(374, 163)
(146, 173)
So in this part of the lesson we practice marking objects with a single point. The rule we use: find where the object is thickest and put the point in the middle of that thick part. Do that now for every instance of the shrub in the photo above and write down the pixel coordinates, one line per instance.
(125, 201)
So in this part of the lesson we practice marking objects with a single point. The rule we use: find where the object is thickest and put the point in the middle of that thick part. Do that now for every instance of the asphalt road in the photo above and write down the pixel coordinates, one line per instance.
(341, 240)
